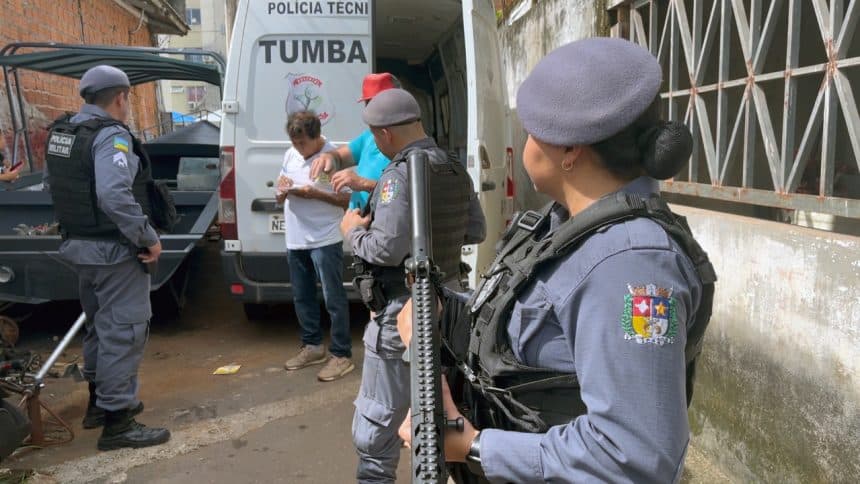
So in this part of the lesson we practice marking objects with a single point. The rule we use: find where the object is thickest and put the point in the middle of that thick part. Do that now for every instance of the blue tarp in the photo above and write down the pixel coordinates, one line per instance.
(179, 118)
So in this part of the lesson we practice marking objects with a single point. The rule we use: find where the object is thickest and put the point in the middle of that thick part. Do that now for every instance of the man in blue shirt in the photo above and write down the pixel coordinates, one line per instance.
(359, 164)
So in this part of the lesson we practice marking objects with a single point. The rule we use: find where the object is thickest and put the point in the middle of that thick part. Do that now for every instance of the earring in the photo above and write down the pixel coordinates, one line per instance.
(567, 167)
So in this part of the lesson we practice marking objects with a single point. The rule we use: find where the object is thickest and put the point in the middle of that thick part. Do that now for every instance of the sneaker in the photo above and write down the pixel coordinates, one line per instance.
(336, 368)
(309, 355)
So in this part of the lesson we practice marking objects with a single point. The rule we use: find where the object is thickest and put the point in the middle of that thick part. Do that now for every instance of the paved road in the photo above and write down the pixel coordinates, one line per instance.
(261, 425)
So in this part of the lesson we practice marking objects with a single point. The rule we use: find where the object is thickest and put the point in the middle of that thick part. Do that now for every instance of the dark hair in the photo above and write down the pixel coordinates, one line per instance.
(648, 146)
(303, 123)
(105, 96)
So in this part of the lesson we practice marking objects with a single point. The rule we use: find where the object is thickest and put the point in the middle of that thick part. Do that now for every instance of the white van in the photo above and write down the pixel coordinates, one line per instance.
(314, 54)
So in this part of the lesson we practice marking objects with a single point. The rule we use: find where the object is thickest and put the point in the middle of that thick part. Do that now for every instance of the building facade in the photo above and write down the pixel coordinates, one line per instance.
(208, 31)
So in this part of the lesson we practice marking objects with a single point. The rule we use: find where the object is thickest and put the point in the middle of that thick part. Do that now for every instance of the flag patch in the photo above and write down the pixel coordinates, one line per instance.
(120, 144)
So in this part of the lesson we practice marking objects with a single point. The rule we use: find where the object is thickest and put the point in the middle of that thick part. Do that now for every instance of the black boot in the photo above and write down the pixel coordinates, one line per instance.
(95, 416)
(121, 430)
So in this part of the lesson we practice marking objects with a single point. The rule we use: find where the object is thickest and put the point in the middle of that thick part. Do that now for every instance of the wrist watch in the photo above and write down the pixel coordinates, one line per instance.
(473, 457)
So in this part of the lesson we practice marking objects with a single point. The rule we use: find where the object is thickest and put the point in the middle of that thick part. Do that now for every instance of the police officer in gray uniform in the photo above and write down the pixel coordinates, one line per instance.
(578, 348)
(381, 240)
(99, 177)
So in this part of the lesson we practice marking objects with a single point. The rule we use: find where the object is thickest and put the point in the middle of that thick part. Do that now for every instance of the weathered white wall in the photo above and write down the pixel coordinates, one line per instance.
(777, 396)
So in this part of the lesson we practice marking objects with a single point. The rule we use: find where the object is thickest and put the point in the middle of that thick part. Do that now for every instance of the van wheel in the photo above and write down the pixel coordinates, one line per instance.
(256, 311)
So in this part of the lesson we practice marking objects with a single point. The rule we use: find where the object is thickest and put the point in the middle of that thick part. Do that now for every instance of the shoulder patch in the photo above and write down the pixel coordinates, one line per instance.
(120, 160)
(390, 190)
(120, 144)
(649, 315)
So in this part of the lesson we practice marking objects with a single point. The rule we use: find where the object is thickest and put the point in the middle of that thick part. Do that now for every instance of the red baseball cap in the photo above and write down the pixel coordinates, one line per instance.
(376, 83)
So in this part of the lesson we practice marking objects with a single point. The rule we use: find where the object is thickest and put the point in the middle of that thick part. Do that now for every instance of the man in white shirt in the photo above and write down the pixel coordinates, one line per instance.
(312, 213)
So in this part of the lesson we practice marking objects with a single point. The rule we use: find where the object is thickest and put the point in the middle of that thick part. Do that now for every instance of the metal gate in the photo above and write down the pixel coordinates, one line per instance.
(767, 88)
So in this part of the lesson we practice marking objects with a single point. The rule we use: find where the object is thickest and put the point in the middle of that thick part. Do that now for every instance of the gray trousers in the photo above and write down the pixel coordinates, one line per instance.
(115, 299)
(383, 399)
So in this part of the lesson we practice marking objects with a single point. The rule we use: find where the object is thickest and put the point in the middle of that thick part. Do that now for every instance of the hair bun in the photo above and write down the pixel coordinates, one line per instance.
(665, 149)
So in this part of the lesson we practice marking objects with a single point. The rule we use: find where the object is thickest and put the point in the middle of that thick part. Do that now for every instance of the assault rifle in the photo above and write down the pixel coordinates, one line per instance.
(428, 418)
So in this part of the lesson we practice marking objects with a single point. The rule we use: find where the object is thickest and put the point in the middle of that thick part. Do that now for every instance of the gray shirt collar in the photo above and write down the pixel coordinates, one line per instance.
(94, 111)
(644, 185)
(421, 143)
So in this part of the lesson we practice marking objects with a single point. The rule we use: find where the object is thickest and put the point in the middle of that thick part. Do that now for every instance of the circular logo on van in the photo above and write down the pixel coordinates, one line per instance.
(307, 93)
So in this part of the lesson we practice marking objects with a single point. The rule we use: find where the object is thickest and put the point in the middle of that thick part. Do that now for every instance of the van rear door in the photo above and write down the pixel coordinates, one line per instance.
(295, 55)
(488, 130)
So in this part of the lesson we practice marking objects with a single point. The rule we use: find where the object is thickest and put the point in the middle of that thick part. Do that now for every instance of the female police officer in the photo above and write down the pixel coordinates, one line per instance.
(578, 346)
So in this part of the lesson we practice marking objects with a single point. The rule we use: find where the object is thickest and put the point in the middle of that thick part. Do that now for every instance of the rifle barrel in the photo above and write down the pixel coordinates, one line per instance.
(428, 418)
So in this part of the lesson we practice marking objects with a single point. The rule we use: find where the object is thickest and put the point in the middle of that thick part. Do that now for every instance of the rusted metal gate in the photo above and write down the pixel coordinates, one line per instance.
(767, 88)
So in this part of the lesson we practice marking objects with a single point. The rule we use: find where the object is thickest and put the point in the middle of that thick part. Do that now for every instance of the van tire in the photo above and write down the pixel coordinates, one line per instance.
(254, 311)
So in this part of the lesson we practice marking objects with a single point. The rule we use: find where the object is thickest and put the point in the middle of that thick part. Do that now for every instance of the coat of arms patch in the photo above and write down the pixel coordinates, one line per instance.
(649, 315)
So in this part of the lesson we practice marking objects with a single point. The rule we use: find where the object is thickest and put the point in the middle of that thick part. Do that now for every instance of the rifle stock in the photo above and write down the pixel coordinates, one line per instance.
(428, 418)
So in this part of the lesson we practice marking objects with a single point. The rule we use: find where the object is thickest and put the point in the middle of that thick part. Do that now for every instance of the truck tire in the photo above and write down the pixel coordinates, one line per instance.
(254, 311)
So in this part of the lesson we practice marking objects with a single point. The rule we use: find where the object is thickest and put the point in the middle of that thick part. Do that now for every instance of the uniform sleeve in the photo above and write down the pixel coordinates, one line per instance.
(115, 169)
(476, 230)
(388, 240)
(632, 374)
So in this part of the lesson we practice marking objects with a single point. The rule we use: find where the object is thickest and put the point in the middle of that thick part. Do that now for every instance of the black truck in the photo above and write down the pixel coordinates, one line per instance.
(31, 271)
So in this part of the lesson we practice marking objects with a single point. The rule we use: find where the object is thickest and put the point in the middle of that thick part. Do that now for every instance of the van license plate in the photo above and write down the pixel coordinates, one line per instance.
(276, 224)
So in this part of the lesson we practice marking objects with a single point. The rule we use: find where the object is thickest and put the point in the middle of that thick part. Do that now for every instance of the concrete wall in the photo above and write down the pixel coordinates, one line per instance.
(47, 96)
(777, 398)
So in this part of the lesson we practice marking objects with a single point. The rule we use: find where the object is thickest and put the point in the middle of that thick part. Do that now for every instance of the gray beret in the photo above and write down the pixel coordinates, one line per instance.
(102, 77)
(391, 107)
(587, 91)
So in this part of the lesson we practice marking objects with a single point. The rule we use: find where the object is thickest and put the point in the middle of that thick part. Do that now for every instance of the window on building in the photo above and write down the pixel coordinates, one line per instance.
(194, 58)
(192, 16)
(177, 89)
(195, 94)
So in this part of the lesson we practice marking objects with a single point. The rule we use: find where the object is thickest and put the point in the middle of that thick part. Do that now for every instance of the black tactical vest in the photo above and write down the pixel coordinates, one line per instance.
(450, 190)
(72, 181)
(502, 393)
